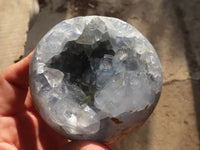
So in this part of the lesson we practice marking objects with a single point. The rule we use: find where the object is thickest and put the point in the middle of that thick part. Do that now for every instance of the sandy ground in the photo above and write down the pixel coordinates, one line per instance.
(172, 26)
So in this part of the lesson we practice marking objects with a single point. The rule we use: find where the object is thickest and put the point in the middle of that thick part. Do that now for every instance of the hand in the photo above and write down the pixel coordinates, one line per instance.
(21, 128)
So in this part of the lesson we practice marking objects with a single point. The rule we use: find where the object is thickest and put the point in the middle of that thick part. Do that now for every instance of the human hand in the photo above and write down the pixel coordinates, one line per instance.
(21, 128)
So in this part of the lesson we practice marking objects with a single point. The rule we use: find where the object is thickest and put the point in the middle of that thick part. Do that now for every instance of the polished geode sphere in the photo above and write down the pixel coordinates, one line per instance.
(95, 78)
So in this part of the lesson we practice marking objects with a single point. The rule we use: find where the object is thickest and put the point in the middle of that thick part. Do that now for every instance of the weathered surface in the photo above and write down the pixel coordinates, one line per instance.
(173, 28)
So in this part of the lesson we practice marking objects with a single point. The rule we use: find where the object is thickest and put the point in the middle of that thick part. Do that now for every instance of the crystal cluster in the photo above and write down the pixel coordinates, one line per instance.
(95, 78)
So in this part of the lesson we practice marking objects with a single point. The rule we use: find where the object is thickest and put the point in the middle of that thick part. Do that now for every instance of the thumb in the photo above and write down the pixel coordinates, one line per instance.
(86, 145)
(14, 87)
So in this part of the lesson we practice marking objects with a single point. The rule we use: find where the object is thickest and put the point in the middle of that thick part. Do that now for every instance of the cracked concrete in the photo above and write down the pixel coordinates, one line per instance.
(168, 82)
(172, 26)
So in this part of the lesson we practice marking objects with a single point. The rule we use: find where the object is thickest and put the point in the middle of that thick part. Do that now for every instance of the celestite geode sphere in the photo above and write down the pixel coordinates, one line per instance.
(95, 78)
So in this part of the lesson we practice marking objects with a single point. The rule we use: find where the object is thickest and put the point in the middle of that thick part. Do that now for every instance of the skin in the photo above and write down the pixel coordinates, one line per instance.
(21, 128)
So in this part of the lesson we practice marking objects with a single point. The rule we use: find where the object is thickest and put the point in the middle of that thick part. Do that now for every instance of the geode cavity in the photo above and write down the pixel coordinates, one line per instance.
(95, 78)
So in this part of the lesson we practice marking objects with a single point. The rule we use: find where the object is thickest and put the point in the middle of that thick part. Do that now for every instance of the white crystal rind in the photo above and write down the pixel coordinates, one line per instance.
(119, 90)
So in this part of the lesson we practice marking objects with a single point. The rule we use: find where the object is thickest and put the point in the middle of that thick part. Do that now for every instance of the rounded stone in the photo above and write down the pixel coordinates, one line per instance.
(95, 78)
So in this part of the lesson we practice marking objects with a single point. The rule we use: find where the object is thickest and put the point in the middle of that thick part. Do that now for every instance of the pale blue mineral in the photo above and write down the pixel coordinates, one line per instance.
(95, 78)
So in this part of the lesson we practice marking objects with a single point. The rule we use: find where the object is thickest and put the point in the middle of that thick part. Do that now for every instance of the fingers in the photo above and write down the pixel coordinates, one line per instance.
(17, 74)
(14, 86)
(86, 145)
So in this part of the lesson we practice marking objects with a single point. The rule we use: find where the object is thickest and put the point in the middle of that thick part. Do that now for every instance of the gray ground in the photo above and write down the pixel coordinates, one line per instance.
(172, 26)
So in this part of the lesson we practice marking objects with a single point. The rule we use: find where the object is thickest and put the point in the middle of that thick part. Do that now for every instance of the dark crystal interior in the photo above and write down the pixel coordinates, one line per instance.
(75, 62)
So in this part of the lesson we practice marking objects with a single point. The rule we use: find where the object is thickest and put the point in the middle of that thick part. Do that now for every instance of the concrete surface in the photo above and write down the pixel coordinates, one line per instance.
(172, 26)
